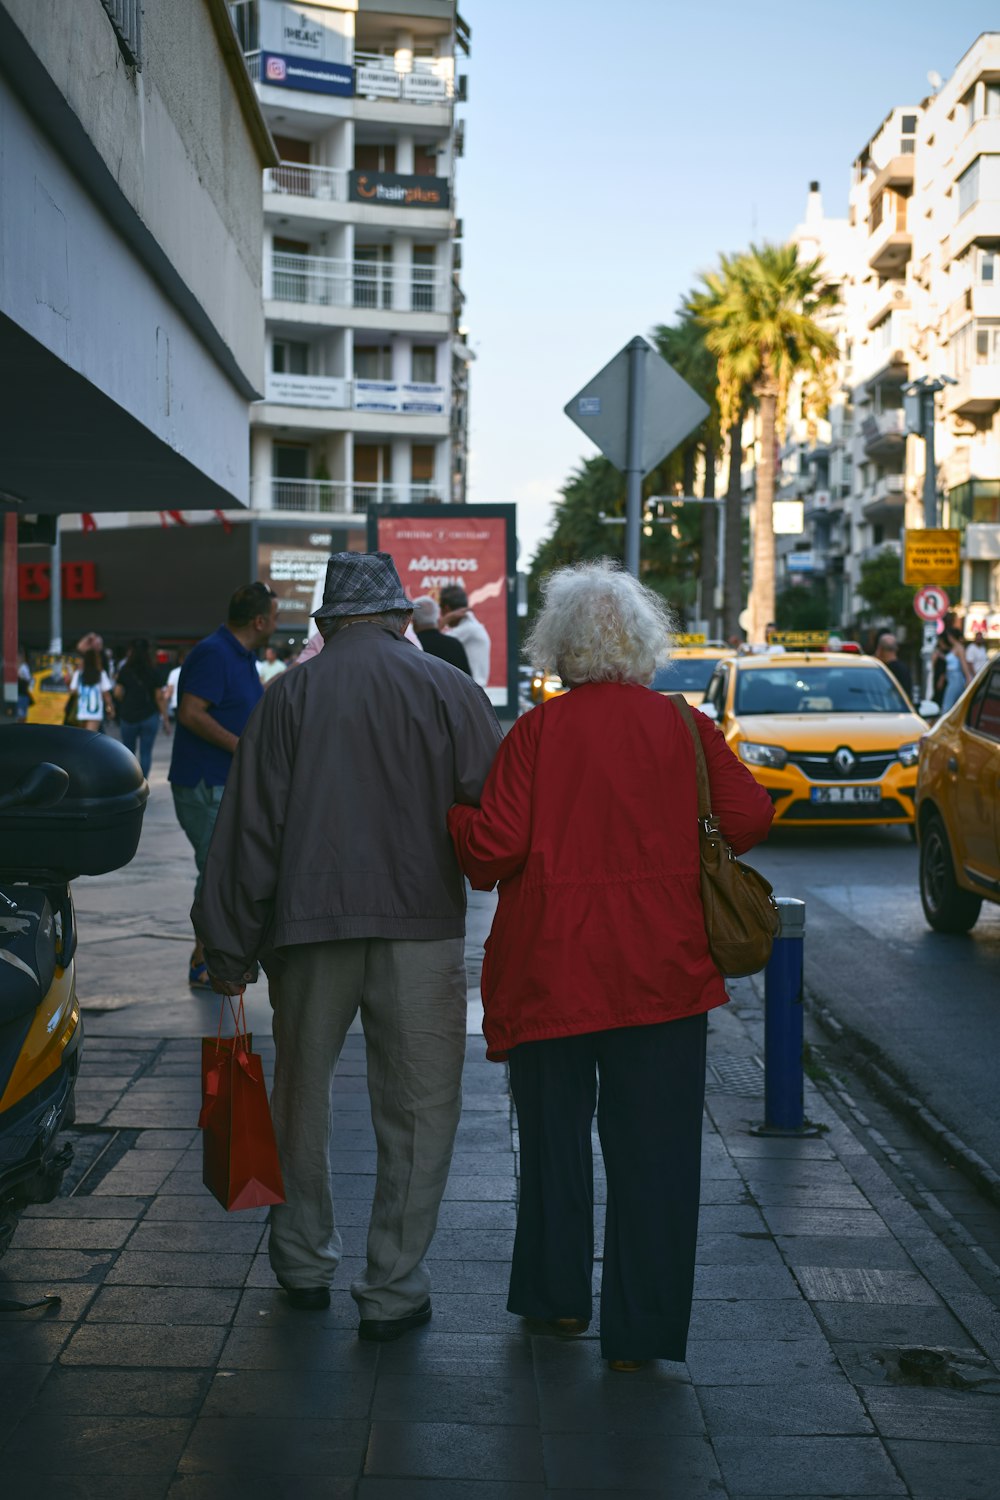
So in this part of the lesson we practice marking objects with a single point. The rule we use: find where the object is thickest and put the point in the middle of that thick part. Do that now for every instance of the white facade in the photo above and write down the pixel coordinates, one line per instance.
(365, 373)
(918, 264)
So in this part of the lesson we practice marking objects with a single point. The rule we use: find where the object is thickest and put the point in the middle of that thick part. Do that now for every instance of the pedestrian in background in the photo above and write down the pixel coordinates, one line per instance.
(331, 863)
(976, 655)
(90, 692)
(460, 622)
(217, 690)
(887, 651)
(598, 964)
(271, 667)
(24, 698)
(426, 617)
(141, 696)
(957, 674)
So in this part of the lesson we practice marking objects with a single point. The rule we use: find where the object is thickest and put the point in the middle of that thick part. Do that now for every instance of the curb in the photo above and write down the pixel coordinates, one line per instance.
(969, 1162)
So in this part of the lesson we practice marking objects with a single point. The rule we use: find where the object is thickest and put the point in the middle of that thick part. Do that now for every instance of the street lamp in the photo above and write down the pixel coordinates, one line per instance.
(918, 405)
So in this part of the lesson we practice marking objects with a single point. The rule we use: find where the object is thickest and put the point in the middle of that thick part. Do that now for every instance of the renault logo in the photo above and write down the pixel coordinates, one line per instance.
(844, 761)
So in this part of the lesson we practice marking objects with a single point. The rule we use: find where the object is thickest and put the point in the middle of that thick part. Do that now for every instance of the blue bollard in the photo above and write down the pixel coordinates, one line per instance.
(783, 1016)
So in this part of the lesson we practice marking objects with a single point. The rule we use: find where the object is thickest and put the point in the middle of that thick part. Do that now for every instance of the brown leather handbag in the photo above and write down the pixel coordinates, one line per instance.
(741, 916)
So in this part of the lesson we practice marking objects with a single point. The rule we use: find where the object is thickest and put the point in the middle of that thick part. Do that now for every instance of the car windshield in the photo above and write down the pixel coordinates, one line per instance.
(818, 690)
(685, 674)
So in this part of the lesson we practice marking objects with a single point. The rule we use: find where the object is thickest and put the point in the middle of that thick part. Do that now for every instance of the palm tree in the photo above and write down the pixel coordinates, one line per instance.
(683, 346)
(760, 312)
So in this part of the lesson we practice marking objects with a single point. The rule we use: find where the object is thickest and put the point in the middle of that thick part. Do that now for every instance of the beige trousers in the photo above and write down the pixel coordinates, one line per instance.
(412, 999)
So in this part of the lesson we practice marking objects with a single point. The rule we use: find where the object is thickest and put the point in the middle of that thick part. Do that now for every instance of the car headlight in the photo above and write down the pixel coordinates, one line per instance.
(908, 755)
(763, 755)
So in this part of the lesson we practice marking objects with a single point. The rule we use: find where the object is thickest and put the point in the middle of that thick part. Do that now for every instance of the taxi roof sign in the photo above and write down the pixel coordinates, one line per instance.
(698, 639)
(792, 639)
(932, 555)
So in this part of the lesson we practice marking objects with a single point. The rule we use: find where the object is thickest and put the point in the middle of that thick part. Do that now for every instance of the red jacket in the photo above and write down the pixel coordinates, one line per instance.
(589, 822)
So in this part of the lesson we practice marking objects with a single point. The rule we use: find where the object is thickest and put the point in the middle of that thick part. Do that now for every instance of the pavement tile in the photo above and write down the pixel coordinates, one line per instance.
(74, 1297)
(473, 1313)
(166, 1140)
(775, 1467)
(255, 1445)
(886, 1324)
(108, 1446)
(477, 1399)
(484, 1216)
(262, 1487)
(720, 1190)
(448, 1450)
(659, 1403)
(137, 1268)
(852, 1223)
(484, 1187)
(56, 1265)
(623, 1462)
(34, 1343)
(18, 1389)
(73, 1392)
(164, 1304)
(935, 1416)
(741, 1318)
(232, 1237)
(791, 1171)
(755, 1411)
(730, 1218)
(429, 1352)
(72, 1234)
(470, 1276)
(285, 1346)
(200, 1209)
(878, 1252)
(144, 1345)
(737, 1250)
(774, 1148)
(799, 1195)
(269, 1305)
(862, 1284)
(762, 1361)
(472, 1244)
(86, 1206)
(94, 1486)
(300, 1394)
(762, 1283)
(122, 1180)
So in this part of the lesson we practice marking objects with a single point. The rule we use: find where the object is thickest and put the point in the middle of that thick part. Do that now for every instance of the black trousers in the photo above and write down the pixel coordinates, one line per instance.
(649, 1114)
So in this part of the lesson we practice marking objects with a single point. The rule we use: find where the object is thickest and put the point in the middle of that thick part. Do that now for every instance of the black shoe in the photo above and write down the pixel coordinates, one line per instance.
(384, 1330)
(308, 1298)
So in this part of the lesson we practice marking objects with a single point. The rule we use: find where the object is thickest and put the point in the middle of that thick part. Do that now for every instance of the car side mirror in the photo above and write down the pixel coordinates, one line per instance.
(43, 786)
(929, 709)
(710, 711)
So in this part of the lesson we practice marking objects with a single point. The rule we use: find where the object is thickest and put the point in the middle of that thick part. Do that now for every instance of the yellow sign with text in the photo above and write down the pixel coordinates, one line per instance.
(798, 640)
(932, 556)
(690, 640)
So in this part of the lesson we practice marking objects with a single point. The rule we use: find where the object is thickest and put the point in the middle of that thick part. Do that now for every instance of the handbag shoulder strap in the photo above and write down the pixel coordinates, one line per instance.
(701, 768)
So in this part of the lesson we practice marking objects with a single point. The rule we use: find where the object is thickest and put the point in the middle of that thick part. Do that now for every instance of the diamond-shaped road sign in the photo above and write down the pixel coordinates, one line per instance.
(670, 410)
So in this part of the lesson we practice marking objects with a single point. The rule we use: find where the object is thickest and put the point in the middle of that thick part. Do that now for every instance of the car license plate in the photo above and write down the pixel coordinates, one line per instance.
(845, 794)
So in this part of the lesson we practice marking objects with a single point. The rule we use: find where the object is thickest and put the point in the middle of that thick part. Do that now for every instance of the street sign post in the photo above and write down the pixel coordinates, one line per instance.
(637, 410)
(932, 555)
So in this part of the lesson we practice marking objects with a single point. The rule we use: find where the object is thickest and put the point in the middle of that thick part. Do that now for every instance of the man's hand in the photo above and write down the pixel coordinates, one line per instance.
(226, 986)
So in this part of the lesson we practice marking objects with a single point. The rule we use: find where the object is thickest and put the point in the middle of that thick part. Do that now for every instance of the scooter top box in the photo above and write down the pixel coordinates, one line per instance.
(94, 828)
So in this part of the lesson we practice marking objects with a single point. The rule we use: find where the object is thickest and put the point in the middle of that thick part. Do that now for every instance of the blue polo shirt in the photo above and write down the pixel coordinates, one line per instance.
(224, 673)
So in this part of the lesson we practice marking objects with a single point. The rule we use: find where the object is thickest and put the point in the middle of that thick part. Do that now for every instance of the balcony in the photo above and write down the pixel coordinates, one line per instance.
(302, 180)
(331, 393)
(884, 435)
(379, 76)
(321, 282)
(897, 173)
(887, 498)
(337, 497)
(877, 549)
(976, 394)
(890, 298)
(890, 243)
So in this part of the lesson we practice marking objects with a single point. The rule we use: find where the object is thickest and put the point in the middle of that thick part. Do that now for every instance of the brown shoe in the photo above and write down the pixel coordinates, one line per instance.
(566, 1328)
(623, 1366)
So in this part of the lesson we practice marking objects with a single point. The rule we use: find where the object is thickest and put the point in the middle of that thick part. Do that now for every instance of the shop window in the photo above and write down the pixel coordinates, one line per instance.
(423, 364)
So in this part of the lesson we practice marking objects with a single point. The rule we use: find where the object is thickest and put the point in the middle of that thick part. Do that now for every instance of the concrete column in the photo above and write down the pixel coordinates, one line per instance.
(404, 153)
(261, 445)
(403, 50)
(402, 274)
(400, 359)
(401, 466)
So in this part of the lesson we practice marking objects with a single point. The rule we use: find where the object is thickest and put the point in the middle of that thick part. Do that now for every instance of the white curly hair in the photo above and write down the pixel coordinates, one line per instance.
(599, 624)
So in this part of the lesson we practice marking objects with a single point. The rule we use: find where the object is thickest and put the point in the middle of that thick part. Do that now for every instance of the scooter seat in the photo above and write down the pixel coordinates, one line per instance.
(27, 950)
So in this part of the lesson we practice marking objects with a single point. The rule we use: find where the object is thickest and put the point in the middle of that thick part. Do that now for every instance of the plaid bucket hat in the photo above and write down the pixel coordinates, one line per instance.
(361, 583)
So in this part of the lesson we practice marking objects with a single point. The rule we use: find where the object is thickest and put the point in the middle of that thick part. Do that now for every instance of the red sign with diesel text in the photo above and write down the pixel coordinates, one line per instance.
(432, 552)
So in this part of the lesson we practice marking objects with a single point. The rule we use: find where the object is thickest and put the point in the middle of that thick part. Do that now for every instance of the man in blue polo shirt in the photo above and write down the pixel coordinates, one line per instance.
(218, 689)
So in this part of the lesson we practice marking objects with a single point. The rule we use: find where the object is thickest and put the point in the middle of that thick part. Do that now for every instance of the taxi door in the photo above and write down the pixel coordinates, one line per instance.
(977, 785)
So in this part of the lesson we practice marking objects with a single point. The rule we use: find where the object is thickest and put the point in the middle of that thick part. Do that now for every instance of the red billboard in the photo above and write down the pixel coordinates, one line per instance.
(470, 545)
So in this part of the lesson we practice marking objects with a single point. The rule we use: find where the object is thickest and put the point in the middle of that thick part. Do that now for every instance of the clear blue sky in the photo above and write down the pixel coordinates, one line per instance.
(614, 149)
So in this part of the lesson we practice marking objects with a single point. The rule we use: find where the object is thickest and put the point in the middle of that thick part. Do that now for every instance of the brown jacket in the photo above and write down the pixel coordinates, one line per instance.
(334, 818)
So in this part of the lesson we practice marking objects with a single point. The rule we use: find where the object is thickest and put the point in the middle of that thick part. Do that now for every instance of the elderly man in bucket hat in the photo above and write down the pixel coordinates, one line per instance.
(331, 862)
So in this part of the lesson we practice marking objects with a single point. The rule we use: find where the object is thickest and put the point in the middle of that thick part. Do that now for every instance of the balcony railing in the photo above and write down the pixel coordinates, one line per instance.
(337, 496)
(428, 81)
(302, 180)
(323, 282)
(886, 431)
(252, 60)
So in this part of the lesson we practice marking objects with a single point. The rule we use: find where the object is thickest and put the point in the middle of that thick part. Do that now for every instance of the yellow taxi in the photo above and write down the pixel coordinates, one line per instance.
(831, 737)
(693, 659)
(50, 688)
(958, 807)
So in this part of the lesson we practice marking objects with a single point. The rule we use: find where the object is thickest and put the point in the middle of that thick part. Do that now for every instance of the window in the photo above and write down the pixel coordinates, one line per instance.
(424, 274)
(908, 125)
(968, 187)
(290, 461)
(984, 710)
(987, 264)
(372, 276)
(422, 463)
(992, 100)
(882, 332)
(246, 19)
(979, 180)
(290, 357)
(372, 463)
(290, 149)
(425, 161)
(375, 158)
(373, 361)
(423, 364)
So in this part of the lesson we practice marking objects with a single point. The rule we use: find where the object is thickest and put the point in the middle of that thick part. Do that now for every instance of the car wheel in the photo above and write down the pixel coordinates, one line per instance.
(946, 906)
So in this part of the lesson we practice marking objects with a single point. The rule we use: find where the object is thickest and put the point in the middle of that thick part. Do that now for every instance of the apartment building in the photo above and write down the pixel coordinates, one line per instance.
(918, 266)
(366, 368)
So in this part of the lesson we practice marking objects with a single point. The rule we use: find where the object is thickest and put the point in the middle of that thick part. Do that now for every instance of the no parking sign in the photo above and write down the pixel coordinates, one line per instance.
(931, 603)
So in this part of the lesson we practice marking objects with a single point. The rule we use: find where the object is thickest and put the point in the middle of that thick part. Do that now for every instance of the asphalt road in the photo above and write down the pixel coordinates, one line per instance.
(930, 1003)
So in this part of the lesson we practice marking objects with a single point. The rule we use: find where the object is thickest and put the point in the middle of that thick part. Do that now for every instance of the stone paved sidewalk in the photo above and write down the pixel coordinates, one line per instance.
(175, 1368)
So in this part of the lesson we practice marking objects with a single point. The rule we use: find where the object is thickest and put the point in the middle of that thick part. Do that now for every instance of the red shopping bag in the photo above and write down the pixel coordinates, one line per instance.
(240, 1163)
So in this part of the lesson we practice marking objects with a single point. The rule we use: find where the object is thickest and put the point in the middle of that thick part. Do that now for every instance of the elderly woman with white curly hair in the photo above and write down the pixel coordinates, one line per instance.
(598, 962)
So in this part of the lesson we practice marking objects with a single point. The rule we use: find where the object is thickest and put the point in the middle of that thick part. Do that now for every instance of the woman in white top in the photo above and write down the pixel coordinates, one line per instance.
(92, 687)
